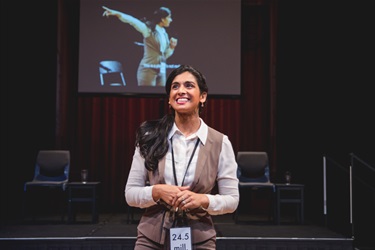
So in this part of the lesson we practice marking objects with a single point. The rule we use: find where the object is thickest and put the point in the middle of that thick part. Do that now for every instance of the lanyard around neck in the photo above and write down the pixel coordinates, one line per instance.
(187, 167)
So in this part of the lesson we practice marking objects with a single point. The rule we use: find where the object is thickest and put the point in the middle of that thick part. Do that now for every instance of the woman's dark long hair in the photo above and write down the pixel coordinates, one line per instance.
(152, 136)
(158, 14)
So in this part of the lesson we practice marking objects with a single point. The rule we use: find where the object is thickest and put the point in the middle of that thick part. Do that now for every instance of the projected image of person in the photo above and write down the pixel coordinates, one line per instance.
(157, 45)
(177, 163)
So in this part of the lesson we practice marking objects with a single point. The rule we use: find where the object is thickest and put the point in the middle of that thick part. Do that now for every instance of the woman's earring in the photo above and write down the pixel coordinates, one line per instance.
(202, 104)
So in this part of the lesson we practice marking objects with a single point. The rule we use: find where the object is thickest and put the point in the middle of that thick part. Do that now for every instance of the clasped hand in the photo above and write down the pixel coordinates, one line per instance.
(179, 197)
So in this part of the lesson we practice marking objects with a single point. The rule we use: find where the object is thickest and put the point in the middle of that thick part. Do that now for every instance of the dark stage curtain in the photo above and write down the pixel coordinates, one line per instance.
(100, 130)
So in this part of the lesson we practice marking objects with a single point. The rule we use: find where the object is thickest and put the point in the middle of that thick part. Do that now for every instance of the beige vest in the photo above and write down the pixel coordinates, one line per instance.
(157, 220)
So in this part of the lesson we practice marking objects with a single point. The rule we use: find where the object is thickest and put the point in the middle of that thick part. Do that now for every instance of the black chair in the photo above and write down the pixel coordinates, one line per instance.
(254, 179)
(51, 172)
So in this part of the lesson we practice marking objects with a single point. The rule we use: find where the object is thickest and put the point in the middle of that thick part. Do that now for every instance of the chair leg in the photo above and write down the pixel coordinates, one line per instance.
(235, 216)
(130, 214)
(101, 79)
(123, 79)
(24, 203)
(64, 205)
(29, 209)
(238, 211)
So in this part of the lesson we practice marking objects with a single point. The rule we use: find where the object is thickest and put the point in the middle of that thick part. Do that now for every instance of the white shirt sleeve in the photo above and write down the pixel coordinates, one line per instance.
(136, 23)
(137, 194)
(228, 198)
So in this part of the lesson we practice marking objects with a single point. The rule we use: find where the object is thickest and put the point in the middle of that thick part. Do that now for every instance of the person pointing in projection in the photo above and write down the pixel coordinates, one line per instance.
(157, 44)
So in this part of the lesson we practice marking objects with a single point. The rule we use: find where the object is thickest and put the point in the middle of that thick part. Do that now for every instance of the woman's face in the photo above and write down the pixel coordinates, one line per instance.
(185, 96)
(165, 22)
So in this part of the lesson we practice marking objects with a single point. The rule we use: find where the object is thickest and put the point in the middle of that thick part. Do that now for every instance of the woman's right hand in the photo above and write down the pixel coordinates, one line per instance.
(108, 12)
(166, 192)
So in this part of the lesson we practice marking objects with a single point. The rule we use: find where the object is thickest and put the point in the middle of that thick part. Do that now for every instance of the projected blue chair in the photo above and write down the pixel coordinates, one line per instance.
(111, 72)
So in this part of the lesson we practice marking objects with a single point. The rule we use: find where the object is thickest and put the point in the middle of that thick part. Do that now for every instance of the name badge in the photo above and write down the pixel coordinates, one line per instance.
(180, 238)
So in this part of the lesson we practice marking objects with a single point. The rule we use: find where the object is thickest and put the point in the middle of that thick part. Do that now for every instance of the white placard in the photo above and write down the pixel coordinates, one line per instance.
(180, 238)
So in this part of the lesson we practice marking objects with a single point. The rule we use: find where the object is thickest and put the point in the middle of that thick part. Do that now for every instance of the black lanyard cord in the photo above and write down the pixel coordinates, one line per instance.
(187, 167)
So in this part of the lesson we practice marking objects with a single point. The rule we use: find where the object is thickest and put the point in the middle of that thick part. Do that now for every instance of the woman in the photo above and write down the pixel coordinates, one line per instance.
(157, 46)
(182, 160)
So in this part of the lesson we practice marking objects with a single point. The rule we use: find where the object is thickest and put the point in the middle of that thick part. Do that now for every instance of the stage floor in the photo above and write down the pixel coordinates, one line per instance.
(119, 225)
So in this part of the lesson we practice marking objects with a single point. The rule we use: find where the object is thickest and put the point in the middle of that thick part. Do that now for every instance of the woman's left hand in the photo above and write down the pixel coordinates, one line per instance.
(173, 43)
(188, 200)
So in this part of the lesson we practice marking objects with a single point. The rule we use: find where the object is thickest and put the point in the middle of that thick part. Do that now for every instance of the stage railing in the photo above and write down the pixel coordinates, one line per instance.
(352, 198)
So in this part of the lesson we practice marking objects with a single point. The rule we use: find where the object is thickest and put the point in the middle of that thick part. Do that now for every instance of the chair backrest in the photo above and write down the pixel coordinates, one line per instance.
(110, 67)
(113, 69)
(52, 165)
(253, 166)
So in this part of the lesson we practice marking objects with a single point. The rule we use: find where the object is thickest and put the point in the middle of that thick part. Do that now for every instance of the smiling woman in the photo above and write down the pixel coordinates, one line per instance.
(185, 95)
(182, 159)
(151, 38)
